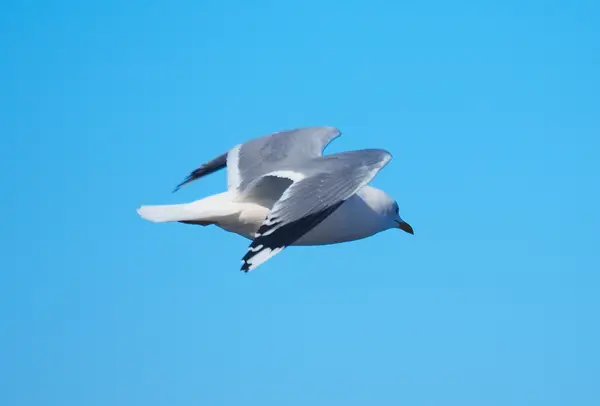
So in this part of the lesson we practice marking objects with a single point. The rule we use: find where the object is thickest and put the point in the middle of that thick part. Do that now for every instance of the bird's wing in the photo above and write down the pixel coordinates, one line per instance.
(276, 152)
(310, 199)
(249, 161)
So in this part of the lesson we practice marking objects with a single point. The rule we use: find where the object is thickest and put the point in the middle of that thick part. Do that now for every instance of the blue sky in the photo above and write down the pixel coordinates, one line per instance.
(491, 113)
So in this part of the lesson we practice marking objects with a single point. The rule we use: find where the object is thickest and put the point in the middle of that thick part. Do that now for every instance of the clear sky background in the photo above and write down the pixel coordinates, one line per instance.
(492, 113)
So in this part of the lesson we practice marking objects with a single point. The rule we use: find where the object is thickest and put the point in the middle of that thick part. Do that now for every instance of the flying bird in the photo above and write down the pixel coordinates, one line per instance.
(282, 191)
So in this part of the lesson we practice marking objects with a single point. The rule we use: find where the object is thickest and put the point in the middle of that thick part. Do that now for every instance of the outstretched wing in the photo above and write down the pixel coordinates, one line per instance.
(275, 152)
(310, 199)
(249, 161)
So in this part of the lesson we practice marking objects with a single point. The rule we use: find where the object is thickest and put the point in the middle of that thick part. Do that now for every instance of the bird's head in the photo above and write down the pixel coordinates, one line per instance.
(398, 221)
(386, 208)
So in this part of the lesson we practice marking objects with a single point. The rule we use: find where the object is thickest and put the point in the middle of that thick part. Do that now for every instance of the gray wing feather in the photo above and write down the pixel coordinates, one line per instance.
(309, 201)
(279, 151)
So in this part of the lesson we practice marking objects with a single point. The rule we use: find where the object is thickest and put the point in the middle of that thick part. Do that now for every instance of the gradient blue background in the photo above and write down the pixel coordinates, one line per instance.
(491, 113)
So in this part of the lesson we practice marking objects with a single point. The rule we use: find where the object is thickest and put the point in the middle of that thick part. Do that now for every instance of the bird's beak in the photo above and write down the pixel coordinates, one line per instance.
(404, 226)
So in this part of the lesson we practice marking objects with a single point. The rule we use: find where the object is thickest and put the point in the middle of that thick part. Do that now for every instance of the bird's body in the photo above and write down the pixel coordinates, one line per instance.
(354, 220)
(282, 191)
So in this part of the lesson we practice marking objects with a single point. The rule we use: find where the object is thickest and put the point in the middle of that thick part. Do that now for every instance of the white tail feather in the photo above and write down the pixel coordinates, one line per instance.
(161, 214)
(208, 209)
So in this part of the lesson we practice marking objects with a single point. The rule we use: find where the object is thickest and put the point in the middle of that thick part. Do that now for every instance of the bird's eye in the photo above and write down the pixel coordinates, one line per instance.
(397, 210)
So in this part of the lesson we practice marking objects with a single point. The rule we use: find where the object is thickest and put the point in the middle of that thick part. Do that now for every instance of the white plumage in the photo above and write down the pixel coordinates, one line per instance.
(282, 191)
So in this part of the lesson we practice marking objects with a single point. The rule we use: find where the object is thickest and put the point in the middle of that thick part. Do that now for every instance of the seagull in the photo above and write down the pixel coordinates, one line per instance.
(282, 191)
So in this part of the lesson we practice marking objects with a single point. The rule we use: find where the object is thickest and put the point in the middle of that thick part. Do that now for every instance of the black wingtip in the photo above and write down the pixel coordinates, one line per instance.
(246, 263)
(182, 184)
(216, 164)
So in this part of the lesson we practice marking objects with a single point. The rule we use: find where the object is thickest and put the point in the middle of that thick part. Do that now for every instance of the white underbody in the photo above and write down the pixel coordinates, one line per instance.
(353, 220)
